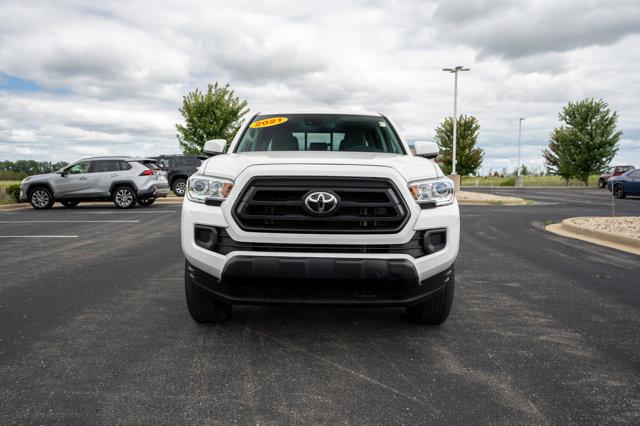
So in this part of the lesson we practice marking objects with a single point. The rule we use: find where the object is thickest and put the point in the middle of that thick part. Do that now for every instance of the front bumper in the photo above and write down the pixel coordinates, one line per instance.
(277, 280)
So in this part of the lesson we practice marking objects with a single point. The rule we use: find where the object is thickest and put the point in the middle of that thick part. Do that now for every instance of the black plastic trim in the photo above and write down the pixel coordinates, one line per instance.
(30, 187)
(426, 205)
(319, 282)
(414, 247)
(122, 182)
(211, 242)
(427, 241)
(323, 224)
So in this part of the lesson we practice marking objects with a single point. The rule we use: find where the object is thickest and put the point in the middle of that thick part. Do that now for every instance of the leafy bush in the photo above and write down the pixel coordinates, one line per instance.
(509, 181)
(12, 175)
(13, 191)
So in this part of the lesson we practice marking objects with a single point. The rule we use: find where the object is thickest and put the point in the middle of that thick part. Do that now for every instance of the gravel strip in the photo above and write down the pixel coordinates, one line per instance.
(629, 226)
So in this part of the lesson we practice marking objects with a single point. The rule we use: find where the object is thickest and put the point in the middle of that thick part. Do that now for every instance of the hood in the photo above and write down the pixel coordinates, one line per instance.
(38, 177)
(231, 165)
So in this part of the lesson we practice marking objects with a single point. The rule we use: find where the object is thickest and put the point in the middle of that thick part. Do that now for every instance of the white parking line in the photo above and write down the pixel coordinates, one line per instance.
(38, 236)
(69, 221)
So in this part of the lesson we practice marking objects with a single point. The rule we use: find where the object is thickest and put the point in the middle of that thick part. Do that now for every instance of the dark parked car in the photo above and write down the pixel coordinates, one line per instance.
(179, 168)
(626, 184)
(613, 171)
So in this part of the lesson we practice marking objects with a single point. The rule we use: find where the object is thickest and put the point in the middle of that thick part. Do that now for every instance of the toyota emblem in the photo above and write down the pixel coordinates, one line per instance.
(321, 202)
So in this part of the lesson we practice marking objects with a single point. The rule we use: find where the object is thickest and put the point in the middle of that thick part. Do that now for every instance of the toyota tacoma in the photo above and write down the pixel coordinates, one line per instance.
(320, 209)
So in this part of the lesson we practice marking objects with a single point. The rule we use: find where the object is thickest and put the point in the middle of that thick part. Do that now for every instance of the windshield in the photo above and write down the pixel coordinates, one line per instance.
(320, 132)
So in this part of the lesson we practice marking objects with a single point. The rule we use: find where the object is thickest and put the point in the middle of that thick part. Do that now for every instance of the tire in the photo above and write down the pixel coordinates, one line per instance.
(618, 191)
(146, 202)
(602, 183)
(70, 204)
(203, 308)
(40, 198)
(179, 187)
(124, 197)
(435, 311)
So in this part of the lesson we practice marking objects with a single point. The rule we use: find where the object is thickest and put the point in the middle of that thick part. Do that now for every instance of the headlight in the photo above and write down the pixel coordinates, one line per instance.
(436, 191)
(202, 188)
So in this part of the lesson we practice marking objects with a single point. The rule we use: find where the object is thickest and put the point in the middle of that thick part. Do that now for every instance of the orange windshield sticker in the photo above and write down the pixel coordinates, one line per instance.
(268, 122)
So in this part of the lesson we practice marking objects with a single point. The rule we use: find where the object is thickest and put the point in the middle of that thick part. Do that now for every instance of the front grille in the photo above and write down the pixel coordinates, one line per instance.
(275, 204)
(414, 247)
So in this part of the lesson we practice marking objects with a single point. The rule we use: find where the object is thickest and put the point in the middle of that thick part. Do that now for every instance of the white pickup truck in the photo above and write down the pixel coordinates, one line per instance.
(320, 209)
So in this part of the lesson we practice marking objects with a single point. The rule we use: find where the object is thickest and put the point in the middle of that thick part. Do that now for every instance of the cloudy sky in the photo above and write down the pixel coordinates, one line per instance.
(80, 79)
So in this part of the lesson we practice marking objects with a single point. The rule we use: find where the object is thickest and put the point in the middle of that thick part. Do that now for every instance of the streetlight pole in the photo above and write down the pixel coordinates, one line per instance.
(519, 142)
(455, 71)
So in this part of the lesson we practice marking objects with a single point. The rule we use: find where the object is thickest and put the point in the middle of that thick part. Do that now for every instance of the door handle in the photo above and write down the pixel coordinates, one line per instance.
(83, 178)
(115, 175)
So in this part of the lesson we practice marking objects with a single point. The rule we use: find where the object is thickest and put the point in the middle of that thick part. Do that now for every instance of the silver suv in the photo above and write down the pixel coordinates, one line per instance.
(124, 180)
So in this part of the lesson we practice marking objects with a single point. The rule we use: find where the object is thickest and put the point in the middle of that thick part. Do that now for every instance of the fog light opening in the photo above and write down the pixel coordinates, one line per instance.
(435, 240)
(205, 236)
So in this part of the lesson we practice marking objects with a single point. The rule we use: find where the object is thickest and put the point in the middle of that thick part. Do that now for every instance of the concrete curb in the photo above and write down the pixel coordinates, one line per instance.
(14, 206)
(570, 226)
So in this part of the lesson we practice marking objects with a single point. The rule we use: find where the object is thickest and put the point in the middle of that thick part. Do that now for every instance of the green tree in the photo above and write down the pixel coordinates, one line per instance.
(468, 157)
(214, 114)
(31, 167)
(586, 143)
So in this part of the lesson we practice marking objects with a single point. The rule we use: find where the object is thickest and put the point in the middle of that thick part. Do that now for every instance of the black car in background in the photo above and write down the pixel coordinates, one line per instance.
(178, 168)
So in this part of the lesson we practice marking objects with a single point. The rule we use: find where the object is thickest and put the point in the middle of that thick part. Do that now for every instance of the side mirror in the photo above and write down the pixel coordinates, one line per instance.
(62, 173)
(214, 147)
(427, 149)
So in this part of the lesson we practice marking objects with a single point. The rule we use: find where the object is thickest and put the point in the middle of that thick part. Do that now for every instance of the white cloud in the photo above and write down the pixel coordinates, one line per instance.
(121, 68)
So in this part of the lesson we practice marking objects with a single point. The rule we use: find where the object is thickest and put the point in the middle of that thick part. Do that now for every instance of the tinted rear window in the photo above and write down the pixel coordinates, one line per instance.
(102, 166)
(150, 165)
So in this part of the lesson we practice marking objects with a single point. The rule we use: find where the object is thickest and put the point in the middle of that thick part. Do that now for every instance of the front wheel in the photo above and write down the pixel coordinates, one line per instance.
(203, 307)
(124, 197)
(436, 310)
(146, 202)
(602, 183)
(618, 191)
(70, 204)
(41, 198)
(179, 187)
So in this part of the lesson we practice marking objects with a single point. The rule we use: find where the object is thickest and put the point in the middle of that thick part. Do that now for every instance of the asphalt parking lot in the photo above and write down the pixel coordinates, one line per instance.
(94, 328)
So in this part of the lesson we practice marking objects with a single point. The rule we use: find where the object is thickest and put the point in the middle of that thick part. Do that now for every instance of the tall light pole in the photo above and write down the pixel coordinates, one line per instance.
(455, 71)
(519, 142)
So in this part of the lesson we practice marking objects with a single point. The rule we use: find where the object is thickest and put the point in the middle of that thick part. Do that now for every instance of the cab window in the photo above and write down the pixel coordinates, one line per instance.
(78, 168)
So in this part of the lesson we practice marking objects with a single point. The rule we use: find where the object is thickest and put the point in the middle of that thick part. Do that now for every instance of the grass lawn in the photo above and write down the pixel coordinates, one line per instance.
(526, 181)
(4, 197)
